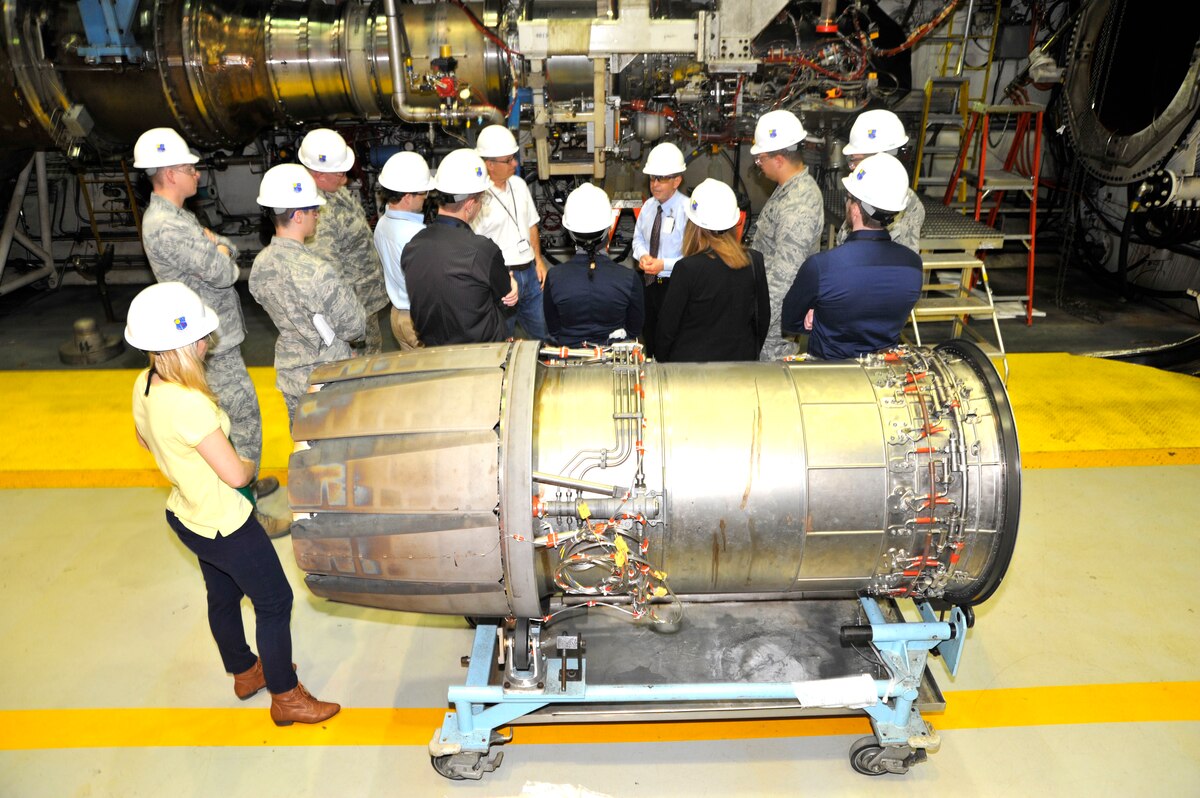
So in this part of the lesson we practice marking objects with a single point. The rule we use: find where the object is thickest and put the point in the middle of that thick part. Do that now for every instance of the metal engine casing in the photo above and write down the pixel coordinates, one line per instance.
(414, 483)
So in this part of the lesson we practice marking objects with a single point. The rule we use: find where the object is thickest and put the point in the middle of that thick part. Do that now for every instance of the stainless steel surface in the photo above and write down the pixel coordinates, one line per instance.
(896, 475)
(224, 70)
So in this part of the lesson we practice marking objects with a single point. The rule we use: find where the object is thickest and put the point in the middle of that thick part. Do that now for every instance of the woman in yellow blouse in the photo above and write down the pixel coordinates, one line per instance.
(177, 419)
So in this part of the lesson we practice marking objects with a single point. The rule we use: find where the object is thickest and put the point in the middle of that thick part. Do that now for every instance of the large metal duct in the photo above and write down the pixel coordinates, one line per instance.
(1133, 87)
(897, 475)
(221, 71)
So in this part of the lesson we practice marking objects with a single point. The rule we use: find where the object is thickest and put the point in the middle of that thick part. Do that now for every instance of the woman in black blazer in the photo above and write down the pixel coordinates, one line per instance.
(717, 306)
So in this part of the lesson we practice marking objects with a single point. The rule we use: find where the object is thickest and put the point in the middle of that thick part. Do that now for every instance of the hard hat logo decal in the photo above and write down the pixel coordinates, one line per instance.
(478, 172)
(695, 205)
(181, 323)
(859, 174)
(161, 148)
(297, 187)
(321, 158)
(771, 134)
(871, 133)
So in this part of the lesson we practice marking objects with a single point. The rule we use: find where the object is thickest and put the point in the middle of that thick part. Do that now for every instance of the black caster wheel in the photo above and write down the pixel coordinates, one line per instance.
(865, 756)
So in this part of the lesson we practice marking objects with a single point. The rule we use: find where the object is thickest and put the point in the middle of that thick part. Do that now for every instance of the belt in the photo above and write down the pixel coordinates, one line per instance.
(520, 267)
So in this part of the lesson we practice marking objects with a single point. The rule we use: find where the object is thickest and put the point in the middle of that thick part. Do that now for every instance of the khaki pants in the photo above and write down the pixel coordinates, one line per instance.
(404, 331)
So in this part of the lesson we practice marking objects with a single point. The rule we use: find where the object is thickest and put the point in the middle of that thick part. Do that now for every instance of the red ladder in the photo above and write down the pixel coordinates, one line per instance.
(1021, 171)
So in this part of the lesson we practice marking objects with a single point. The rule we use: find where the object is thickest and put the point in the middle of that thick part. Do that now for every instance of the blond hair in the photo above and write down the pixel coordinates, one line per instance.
(183, 366)
(724, 245)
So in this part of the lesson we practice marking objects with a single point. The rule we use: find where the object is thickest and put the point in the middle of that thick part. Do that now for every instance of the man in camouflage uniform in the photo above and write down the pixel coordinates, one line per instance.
(788, 229)
(877, 131)
(316, 313)
(343, 238)
(181, 250)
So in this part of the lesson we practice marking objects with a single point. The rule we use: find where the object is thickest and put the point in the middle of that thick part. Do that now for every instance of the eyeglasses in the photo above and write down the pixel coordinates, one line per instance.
(758, 159)
(506, 159)
(662, 178)
(188, 170)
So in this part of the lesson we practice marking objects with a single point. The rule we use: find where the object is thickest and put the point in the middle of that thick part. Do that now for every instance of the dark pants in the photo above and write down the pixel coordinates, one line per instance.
(655, 293)
(529, 305)
(244, 563)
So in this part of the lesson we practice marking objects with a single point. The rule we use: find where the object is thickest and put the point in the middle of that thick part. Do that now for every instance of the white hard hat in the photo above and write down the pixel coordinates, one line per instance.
(587, 210)
(881, 181)
(665, 159)
(323, 150)
(288, 185)
(166, 316)
(159, 147)
(713, 206)
(495, 141)
(777, 130)
(407, 173)
(875, 131)
(462, 172)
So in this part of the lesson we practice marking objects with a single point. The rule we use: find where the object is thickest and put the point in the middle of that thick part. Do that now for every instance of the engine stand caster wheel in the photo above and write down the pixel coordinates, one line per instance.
(866, 756)
(466, 764)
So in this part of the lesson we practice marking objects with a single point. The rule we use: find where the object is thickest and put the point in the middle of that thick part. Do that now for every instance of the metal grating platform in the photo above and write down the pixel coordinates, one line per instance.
(947, 229)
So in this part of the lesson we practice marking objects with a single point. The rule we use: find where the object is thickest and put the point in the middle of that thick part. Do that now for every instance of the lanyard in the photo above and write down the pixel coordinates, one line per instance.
(511, 214)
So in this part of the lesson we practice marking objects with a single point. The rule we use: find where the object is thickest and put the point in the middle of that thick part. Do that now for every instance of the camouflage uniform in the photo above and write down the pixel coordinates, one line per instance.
(345, 240)
(178, 250)
(787, 232)
(293, 284)
(905, 228)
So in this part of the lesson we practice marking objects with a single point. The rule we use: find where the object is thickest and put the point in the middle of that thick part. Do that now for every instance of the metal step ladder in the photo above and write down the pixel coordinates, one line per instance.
(944, 109)
(108, 197)
(948, 93)
(957, 302)
(1019, 174)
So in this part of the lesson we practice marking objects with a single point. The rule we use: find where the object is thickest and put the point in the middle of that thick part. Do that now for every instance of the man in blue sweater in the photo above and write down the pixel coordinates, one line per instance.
(862, 291)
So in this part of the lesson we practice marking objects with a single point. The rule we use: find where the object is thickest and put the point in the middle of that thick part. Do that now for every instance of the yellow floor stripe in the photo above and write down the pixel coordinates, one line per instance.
(1150, 702)
(74, 428)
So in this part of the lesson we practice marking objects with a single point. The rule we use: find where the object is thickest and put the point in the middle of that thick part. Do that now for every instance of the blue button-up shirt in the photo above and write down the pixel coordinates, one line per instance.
(393, 230)
(670, 237)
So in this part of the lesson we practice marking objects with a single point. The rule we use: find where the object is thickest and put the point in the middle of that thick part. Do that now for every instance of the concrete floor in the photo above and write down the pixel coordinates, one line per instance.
(111, 684)
(1078, 678)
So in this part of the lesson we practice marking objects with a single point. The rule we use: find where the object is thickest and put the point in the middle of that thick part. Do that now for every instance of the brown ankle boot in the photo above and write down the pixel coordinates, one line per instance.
(297, 705)
(247, 683)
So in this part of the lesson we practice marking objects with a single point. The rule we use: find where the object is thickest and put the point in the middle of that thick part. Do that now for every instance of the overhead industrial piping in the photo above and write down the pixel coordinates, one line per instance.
(412, 113)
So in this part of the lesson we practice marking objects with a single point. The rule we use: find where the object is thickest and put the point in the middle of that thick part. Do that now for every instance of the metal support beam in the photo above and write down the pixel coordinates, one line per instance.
(10, 232)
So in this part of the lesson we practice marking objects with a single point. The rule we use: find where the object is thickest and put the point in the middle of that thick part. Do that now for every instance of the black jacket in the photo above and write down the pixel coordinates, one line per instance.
(713, 312)
(455, 281)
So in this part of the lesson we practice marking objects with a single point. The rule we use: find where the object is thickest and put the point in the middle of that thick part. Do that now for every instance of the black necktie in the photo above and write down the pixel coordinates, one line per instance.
(656, 233)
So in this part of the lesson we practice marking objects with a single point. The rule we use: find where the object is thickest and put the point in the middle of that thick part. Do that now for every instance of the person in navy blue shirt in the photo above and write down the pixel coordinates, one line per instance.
(862, 291)
(590, 299)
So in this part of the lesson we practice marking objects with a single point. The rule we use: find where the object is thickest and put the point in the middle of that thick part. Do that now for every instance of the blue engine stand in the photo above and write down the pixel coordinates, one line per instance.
(492, 698)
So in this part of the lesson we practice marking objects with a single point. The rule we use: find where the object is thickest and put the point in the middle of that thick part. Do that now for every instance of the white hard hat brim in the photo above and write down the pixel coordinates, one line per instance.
(850, 149)
(207, 325)
(345, 166)
(409, 188)
(848, 183)
(190, 158)
(715, 225)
